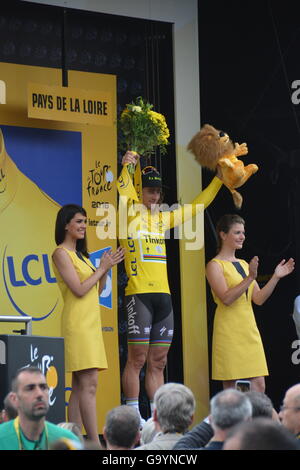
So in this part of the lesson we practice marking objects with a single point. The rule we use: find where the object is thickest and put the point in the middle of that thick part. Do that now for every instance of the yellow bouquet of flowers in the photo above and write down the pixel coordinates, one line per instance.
(143, 129)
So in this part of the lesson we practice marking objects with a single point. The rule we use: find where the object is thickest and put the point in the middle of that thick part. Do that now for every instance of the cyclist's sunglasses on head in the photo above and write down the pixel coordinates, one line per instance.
(149, 169)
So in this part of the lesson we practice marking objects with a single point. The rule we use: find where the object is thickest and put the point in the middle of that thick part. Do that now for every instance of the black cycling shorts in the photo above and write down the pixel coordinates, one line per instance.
(150, 319)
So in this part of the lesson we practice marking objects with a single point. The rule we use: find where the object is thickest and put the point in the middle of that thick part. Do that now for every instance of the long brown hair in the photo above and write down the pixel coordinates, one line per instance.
(225, 224)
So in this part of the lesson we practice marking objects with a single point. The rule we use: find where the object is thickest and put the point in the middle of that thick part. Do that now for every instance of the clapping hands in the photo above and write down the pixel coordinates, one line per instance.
(253, 267)
(110, 258)
(284, 268)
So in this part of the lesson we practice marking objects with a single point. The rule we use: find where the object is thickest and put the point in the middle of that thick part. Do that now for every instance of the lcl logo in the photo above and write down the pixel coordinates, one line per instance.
(25, 279)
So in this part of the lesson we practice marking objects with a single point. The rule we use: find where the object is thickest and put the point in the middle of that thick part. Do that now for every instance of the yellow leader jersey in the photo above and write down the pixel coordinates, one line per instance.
(145, 258)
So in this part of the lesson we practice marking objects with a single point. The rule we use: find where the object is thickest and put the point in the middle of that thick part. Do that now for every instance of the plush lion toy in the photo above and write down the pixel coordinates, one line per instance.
(212, 147)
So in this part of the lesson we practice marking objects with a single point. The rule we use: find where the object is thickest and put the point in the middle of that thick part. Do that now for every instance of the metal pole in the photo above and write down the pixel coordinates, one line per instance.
(12, 319)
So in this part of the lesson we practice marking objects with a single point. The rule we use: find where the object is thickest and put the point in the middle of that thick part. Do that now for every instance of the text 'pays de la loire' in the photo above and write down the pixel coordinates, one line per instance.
(64, 103)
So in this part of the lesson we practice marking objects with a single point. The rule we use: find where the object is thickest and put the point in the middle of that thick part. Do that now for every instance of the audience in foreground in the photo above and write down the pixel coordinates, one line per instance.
(237, 421)
(122, 428)
(261, 434)
(174, 407)
(30, 430)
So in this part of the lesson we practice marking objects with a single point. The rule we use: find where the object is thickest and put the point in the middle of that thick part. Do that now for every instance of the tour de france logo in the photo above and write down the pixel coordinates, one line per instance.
(45, 361)
(99, 180)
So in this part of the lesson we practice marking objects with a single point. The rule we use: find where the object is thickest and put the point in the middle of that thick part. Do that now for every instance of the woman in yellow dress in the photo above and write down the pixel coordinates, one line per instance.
(237, 349)
(81, 284)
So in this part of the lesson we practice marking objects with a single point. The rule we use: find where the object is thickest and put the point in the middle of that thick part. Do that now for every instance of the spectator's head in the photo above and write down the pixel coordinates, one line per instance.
(121, 430)
(74, 428)
(260, 434)
(174, 407)
(148, 432)
(9, 411)
(64, 443)
(30, 394)
(262, 406)
(229, 408)
(290, 410)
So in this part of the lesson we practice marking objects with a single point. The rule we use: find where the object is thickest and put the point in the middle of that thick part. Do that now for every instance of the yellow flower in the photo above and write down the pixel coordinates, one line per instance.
(143, 129)
(136, 109)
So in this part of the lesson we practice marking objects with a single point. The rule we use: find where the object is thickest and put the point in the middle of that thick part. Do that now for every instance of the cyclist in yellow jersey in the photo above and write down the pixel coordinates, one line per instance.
(148, 299)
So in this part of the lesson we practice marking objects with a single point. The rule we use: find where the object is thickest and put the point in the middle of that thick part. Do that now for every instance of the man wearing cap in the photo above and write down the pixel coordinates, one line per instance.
(148, 300)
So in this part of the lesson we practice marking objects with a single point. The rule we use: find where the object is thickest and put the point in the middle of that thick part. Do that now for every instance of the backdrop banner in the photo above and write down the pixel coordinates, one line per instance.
(46, 161)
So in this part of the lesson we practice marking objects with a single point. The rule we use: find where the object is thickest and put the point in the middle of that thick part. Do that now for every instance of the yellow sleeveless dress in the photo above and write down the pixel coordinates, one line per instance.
(81, 322)
(237, 349)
